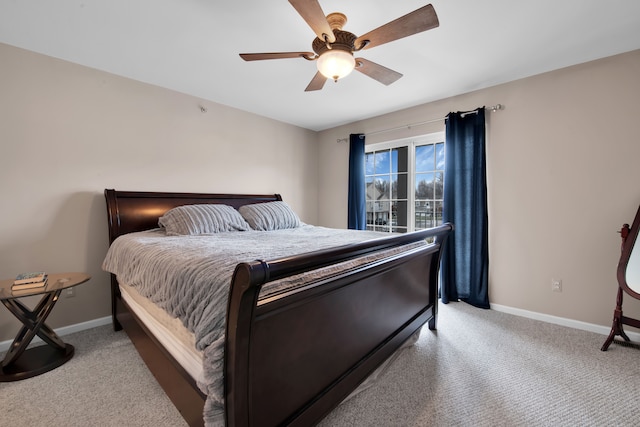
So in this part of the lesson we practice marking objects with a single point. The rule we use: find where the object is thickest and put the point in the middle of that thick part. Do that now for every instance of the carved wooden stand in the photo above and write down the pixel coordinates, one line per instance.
(618, 318)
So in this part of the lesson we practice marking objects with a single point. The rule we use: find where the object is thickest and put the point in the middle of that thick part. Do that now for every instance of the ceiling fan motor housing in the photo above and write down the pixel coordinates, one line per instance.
(344, 41)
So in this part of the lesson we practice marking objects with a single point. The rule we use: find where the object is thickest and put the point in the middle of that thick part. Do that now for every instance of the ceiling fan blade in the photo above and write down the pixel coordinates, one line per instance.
(317, 82)
(312, 13)
(376, 71)
(419, 20)
(276, 55)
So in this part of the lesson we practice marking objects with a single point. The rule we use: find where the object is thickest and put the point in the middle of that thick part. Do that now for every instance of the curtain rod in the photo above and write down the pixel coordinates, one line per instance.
(493, 109)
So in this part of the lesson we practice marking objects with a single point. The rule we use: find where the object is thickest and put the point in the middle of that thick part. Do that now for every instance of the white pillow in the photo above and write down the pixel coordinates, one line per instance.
(202, 219)
(270, 216)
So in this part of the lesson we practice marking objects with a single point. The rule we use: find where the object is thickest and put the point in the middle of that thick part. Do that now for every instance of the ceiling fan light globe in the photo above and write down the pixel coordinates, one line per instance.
(336, 64)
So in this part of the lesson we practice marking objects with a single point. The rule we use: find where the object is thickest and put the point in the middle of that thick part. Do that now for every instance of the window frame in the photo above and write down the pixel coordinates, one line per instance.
(411, 143)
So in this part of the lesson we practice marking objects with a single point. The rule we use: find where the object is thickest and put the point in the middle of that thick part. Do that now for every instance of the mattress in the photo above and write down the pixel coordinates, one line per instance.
(169, 331)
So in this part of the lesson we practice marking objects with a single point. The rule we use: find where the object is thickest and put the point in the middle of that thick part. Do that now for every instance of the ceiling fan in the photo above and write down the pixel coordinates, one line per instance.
(333, 48)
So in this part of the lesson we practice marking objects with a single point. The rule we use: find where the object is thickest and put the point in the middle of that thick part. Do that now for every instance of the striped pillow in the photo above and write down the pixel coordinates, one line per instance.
(202, 219)
(270, 216)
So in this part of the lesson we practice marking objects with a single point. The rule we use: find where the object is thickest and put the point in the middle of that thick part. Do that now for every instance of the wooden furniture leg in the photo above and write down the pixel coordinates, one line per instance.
(20, 363)
(616, 328)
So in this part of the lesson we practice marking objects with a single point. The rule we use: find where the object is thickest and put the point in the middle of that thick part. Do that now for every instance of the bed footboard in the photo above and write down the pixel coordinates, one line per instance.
(292, 358)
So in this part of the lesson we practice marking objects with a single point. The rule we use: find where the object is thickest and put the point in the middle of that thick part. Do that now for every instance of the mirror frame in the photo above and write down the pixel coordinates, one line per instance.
(627, 248)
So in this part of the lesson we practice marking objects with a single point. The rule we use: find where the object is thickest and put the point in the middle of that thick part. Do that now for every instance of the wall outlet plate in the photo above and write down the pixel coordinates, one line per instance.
(556, 285)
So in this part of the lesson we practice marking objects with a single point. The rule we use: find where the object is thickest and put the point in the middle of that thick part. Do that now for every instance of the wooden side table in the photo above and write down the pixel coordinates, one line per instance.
(20, 363)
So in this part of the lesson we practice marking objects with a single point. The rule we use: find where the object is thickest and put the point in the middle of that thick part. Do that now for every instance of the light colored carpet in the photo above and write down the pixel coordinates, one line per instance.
(486, 368)
(106, 383)
(481, 368)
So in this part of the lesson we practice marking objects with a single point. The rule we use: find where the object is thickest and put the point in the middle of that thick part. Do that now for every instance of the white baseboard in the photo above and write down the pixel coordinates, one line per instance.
(576, 324)
(65, 330)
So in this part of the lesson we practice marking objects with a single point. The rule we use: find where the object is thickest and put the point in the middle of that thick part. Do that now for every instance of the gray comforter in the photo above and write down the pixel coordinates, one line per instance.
(189, 277)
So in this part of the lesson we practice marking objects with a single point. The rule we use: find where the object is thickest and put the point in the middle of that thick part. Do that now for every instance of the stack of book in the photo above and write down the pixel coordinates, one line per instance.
(33, 280)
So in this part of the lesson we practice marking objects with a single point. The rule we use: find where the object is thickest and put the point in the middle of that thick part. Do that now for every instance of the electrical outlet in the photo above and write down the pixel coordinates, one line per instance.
(556, 285)
(71, 292)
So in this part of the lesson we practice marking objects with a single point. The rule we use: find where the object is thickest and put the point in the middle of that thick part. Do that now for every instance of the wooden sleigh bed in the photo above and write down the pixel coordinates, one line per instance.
(290, 359)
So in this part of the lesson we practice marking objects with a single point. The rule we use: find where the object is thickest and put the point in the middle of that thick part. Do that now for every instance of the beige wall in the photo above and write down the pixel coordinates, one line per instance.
(68, 132)
(560, 163)
(562, 179)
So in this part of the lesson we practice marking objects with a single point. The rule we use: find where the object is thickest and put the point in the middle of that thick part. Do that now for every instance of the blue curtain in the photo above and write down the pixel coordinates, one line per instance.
(465, 260)
(356, 196)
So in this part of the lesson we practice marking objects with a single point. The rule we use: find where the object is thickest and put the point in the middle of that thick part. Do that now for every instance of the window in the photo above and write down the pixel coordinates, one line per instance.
(404, 182)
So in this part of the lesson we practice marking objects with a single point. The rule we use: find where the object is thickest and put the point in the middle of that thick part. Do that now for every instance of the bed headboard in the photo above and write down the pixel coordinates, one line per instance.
(129, 211)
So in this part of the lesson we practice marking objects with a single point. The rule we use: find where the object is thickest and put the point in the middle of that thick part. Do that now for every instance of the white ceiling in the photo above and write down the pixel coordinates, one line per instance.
(192, 46)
